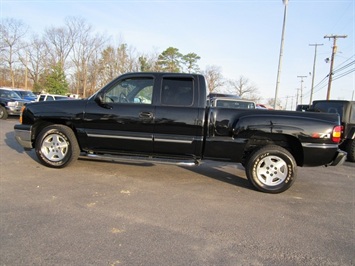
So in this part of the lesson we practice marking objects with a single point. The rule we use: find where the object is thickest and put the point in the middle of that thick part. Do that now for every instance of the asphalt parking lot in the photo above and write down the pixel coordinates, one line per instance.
(112, 213)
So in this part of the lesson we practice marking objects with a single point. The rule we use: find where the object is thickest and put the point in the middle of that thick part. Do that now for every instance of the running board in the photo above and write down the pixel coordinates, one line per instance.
(140, 159)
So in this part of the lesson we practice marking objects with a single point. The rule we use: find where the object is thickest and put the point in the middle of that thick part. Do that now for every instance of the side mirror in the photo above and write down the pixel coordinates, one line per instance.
(99, 99)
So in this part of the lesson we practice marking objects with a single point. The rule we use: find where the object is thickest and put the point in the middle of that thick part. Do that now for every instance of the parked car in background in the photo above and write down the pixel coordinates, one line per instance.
(26, 94)
(10, 103)
(302, 107)
(346, 112)
(264, 106)
(51, 97)
(234, 103)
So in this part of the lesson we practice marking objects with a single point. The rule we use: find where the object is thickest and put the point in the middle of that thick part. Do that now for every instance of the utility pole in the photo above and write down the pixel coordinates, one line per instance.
(334, 50)
(26, 70)
(285, 2)
(297, 96)
(314, 70)
(301, 77)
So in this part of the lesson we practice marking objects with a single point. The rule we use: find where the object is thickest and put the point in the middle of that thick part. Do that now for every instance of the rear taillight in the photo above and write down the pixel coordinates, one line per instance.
(336, 134)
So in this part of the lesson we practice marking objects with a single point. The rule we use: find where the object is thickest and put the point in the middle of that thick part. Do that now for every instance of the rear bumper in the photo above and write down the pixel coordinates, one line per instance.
(23, 135)
(339, 158)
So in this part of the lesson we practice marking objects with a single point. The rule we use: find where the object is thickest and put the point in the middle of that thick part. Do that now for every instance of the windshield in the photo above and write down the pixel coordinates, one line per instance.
(9, 94)
(28, 94)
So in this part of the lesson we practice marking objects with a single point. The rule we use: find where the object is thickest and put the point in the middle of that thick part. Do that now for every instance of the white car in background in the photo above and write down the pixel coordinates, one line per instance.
(51, 97)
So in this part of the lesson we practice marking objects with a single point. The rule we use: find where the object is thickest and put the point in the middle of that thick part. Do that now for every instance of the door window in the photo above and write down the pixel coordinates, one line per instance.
(131, 90)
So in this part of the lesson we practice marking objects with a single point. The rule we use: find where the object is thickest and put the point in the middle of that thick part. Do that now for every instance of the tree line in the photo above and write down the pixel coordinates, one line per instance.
(72, 58)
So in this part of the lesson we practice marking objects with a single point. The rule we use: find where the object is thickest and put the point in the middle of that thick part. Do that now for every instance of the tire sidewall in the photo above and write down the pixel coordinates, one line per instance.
(58, 130)
(351, 150)
(3, 113)
(252, 168)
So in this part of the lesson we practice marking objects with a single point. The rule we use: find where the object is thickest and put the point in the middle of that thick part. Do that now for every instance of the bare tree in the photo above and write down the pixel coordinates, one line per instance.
(244, 88)
(84, 50)
(35, 60)
(213, 77)
(149, 62)
(12, 33)
(60, 42)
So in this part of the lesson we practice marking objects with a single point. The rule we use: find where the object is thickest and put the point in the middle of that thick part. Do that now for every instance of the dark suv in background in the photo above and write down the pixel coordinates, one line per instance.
(10, 103)
(346, 111)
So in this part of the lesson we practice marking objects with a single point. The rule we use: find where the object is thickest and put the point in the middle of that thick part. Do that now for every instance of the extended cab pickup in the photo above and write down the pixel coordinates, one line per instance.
(165, 115)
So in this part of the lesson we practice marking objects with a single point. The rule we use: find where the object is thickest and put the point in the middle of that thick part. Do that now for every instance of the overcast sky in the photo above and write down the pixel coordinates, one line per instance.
(240, 37)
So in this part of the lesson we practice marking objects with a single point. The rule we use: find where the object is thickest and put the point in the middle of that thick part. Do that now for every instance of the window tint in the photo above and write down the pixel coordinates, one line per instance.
(235, 104)
(330, 107)
(352, 115)
(132, 90)
(9, 94)
(177, 91)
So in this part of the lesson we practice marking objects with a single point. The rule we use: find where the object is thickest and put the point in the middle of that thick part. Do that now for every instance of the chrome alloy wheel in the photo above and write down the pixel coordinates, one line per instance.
(54, 147)
(271, 170)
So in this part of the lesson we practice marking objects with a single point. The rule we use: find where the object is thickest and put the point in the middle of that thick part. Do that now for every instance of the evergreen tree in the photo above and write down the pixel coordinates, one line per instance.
(55, 81)
(170, 60)
(190, 61)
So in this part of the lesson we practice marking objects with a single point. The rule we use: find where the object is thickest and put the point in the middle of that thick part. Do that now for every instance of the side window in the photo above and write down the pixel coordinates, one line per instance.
(131, 90)
(177, 91)
(352, 115)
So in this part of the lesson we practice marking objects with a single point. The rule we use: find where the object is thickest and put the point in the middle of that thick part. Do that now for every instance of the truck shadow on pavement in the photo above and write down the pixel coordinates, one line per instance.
(12, 143)
(212, 170)
(216, 171)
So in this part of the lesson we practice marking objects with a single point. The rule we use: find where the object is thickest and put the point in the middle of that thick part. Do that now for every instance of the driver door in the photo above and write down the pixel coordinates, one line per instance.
(122, 120)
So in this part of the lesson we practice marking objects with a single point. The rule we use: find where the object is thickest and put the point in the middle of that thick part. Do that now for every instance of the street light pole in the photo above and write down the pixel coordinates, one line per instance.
(314, 70)
(285, 2)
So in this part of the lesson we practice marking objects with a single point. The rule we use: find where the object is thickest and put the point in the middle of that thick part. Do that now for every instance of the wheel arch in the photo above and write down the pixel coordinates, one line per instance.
(39, 125)
(288, 142)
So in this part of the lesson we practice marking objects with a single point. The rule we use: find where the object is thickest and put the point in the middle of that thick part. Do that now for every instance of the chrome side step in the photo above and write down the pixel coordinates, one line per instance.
(140, 159)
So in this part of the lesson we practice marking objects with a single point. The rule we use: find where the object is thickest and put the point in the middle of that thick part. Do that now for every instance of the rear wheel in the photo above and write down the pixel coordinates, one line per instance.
(56, 146)
(3, 113)
(271, 169)
(350, 149)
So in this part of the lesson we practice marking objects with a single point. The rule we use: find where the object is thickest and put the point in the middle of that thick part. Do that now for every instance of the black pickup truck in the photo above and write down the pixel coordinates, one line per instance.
(166, 116)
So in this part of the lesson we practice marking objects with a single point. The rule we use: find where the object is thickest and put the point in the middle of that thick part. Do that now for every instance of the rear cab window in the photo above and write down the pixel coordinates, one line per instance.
(177, 92)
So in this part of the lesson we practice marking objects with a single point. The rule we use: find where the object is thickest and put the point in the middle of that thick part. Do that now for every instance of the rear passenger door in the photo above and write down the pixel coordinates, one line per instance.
(178, 127)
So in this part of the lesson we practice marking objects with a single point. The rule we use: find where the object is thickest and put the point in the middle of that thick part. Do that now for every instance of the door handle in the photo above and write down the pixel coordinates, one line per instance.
(145, 115)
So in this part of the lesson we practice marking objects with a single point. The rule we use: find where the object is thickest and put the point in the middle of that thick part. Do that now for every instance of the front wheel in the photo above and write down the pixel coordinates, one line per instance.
(271, 169)
(3, 113)
(56, 146)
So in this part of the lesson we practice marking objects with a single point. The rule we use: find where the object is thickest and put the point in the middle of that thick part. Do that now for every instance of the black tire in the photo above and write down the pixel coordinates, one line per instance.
(3, 113)
(350, 149)
(56, 146)
(271, 169)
